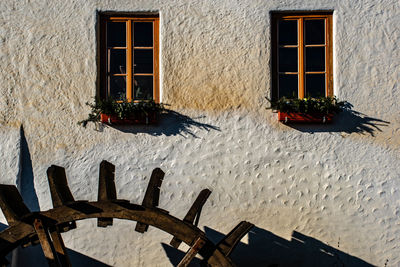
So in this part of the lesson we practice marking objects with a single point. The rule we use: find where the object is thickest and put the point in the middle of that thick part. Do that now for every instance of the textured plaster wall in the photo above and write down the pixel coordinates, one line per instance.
(338, 184)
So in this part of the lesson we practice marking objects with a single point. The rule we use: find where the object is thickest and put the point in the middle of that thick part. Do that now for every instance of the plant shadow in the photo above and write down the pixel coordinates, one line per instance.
(269, 250)
(348, 121)
(170, 123)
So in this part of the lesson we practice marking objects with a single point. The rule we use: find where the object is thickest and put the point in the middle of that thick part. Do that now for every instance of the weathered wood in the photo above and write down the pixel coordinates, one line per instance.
(46, 243)
(60, 249)
(60, 192)
(14, 235)
(59, 189)
(230, 241)
(107, 190)
(152, 195)
(193, 213)
(11, 203)
(192, 252)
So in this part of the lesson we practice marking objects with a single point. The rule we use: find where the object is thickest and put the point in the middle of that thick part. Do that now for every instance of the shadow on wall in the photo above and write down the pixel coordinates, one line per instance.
(77, 259)
(33, 256)
(26, 184)
(266, 249)
(348, 121)
(170, 123)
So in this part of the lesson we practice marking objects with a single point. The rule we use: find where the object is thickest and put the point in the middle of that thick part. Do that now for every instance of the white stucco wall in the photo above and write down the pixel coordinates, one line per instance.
(338, 184)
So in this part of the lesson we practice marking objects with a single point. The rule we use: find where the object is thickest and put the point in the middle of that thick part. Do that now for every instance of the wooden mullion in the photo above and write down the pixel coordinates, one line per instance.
(301, 58)
(328, 56)
(143, 74)
(288, 73)
(315, 45)
(143, 47)
(156, 85)
(287, 46)
(129, 60)
(315, 72)
(116, 47)
(123, 19)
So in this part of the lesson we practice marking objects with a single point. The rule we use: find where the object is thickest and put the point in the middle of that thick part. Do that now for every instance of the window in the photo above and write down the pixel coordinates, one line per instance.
(129, 57)
(302, 55)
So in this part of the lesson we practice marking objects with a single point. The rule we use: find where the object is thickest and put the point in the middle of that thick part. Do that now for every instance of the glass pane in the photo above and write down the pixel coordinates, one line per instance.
(287, 32)
(116, 34)
(143, 87)
(315, 31)
(117, 61)
(288, 59)
(288, 85)
(315, 85)
(143, 33)
(143, 61)
(315, 58)
(117, 87)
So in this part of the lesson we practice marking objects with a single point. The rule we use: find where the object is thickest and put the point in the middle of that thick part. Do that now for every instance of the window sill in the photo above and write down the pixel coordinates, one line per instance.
(136, 119)
(296, 117)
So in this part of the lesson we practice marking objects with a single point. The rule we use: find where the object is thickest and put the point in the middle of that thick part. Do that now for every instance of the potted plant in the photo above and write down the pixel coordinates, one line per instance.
(114, 112)
(307, 110)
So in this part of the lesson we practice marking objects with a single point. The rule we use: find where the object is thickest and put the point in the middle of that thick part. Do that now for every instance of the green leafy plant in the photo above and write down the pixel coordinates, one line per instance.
(121, 109)
(320, 105)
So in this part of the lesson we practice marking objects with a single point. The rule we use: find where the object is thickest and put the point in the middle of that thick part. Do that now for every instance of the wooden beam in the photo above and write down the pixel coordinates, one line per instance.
(107, 189)
(60, 192)
(230, 241)
(11, 203)
(60, 249)
(46, 243)
(193, 213)
(59, 189)
(152, 195)
(192, 252)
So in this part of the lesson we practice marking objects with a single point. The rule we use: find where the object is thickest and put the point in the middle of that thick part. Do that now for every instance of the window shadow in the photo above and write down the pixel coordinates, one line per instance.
(269, 250)
(348, 121)
(170, 123)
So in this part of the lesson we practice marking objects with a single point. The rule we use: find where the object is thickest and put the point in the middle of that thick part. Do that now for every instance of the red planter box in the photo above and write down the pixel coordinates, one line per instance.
(288, 117)
(139, 118)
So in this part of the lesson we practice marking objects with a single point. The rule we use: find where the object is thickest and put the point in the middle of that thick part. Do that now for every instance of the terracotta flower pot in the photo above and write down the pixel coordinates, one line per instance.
(136, 118)
(296, 117)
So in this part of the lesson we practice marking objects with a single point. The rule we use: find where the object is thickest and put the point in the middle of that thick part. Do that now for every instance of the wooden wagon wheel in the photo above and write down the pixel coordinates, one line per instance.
(45, 227)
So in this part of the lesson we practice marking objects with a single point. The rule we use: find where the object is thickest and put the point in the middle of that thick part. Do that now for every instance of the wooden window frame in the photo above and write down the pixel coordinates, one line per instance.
(129, 19)
(300, 17)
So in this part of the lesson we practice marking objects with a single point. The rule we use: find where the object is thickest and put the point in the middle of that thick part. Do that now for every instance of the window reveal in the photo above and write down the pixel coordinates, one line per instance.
(129, 58)
(301, 55)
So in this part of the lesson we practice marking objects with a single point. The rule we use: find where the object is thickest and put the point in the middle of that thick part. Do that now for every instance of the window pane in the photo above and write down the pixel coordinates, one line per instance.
(117, 61)
(315, 58)
(287, 32)
(116, 34)
(315, 85)
(143, 87)
(143, 61)
(143, 34)
(288, 85)
(315, 31)
(117, 87)
(287, 59)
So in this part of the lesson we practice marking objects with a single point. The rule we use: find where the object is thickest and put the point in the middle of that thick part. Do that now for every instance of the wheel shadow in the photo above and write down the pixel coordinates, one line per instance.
(269, 250)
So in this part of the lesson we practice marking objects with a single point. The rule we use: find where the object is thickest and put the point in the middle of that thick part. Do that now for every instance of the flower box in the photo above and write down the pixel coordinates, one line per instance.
(137, 118)
(297, 117)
